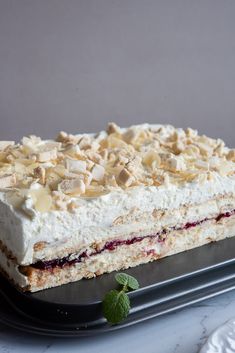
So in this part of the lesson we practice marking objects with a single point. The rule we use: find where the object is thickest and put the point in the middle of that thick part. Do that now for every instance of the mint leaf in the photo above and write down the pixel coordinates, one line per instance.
(127, 281)
(116, 303)
(116, 306)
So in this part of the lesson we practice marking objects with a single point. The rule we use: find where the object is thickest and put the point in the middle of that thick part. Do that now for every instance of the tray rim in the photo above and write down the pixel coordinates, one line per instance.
(213, 276)
(50, 332)
(33, 326)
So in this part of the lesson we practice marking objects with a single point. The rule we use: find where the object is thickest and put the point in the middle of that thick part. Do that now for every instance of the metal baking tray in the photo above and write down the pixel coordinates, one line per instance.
(166, 285)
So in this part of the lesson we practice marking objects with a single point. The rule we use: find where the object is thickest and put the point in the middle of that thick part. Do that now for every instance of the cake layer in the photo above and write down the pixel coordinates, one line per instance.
(120, 255)
(53, 234)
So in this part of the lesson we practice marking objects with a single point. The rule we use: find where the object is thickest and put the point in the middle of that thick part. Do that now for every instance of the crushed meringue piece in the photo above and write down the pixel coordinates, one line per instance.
(7, 181)
(98, 172)
(47, 156)
(175, 164)
(73, 186)
(32, 142)
(75, 165)
(28, 207)
(125, 177)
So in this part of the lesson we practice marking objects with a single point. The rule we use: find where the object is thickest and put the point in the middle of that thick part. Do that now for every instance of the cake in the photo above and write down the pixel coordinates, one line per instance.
(83, 205)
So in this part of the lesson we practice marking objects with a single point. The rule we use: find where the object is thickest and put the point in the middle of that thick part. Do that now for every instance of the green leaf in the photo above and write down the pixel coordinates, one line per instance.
(116, 306)
(127, 281)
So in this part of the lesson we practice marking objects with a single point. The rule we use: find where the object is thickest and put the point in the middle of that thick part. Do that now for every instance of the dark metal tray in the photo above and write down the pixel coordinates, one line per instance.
(165, 285)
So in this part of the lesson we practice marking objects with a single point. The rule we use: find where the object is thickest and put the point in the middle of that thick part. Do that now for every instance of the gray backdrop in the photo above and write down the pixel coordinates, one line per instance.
(74, 65)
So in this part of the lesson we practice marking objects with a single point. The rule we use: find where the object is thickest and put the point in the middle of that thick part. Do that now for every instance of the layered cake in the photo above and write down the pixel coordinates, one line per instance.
(87, 204)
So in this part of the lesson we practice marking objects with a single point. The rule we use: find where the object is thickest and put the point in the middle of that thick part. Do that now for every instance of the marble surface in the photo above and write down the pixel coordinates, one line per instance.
(179, 332)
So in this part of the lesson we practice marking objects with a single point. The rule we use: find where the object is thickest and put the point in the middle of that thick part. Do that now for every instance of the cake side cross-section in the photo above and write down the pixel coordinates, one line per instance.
(87, 204)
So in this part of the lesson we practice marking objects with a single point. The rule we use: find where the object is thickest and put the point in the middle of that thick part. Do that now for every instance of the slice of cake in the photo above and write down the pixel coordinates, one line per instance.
(88, 204)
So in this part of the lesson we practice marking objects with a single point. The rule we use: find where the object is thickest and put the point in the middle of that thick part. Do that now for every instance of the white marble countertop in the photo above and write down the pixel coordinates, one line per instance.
(181, 332)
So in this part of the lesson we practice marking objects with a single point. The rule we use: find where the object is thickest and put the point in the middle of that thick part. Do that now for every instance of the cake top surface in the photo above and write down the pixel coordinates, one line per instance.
(55, 174)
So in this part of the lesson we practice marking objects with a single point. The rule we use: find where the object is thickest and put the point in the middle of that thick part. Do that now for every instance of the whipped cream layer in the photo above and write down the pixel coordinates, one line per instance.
(93, 219)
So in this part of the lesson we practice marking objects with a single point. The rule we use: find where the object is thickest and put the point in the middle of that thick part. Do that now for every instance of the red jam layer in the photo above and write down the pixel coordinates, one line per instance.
(112, 245)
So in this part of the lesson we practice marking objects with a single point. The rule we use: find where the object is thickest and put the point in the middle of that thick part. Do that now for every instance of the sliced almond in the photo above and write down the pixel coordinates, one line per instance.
(165, 156)
(205, 149)
(214, 162)
(104, 154)
(95, 157)
(67, 138)
(50, 144)
(85, 142)
(113, 128)
(192, 150)
(87, 178)
(231, 155)
(131, 135)
(9, 158)
(90, 164)
(40, 173)
(202, 164)
(191, 132)
(62, 136)
(150, 157)
(94, 191)
(178, 147)
(121, 161)
(114, 142)
(72, 206)
(43, 203)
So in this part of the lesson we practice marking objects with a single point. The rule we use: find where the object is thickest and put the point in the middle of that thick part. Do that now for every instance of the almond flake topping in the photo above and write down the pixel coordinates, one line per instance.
(58, 174)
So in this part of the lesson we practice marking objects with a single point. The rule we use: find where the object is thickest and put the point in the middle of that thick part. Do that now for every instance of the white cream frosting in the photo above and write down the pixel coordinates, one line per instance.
(93, 219)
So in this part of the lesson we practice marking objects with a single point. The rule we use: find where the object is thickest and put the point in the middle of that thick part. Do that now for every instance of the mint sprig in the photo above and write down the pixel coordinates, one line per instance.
(116, 303)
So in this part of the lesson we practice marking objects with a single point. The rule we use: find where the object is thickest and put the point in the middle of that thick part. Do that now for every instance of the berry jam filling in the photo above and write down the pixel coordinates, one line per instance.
(112, 245)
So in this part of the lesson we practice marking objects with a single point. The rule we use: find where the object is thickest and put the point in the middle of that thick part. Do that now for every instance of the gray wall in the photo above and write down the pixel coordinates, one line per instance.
(77, 64)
